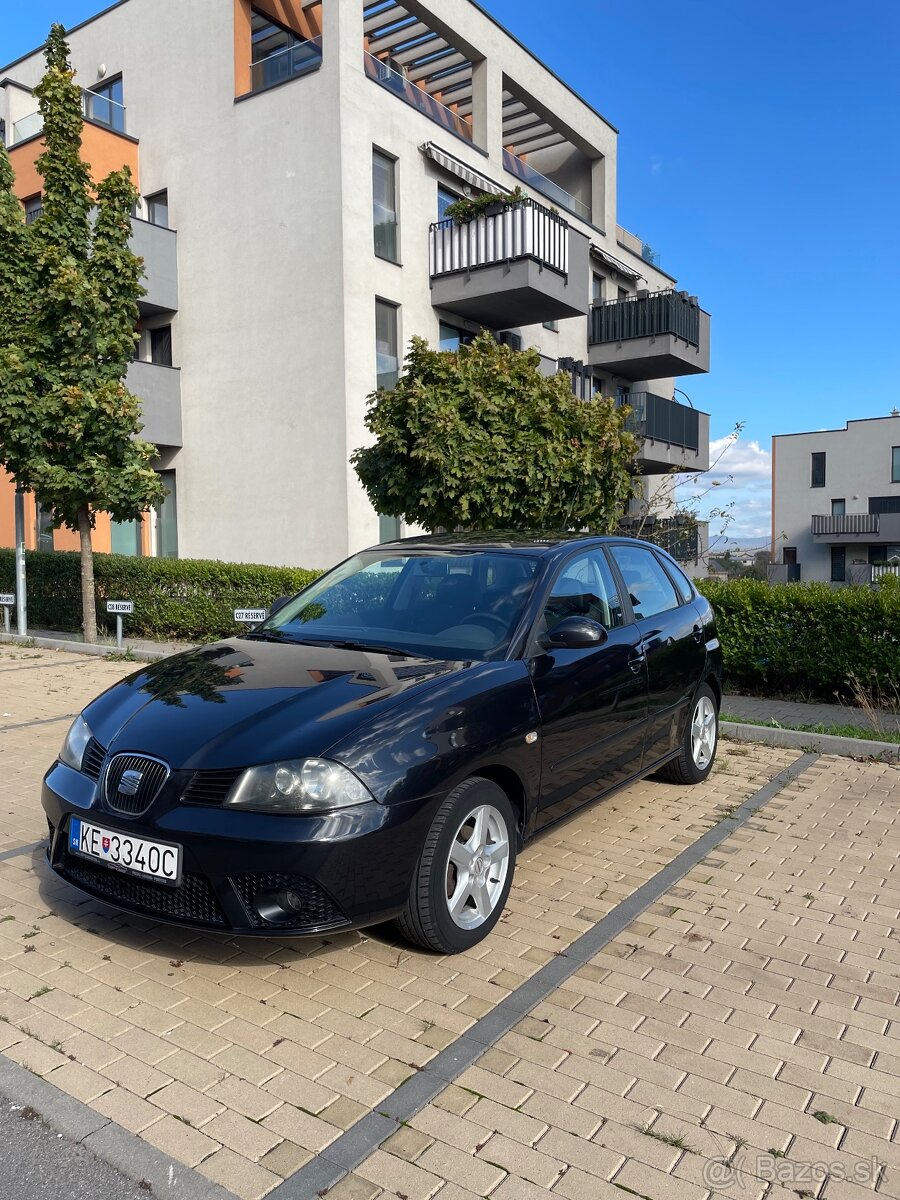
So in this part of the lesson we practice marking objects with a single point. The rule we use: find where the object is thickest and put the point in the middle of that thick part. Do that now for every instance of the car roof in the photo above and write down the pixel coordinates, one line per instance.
(501, 541)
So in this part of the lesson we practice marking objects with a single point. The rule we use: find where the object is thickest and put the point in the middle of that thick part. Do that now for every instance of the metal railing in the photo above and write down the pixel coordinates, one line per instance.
(32, 214)
(652, 315)
(846, 523)
(293, 60)
(522, 230)
(881, 570)
(94, 107)
(681, 539)
(662, 420)
(396, 82)
(524, 171)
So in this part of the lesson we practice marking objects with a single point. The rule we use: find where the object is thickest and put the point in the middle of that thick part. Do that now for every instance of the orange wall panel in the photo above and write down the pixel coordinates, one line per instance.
(104, 149)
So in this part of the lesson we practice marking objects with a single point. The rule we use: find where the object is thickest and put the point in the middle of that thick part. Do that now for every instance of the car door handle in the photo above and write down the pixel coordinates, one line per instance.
(637, 662)
(698, 633)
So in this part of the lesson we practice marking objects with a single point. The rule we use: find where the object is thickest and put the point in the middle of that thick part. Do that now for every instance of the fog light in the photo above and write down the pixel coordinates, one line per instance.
(278, 907)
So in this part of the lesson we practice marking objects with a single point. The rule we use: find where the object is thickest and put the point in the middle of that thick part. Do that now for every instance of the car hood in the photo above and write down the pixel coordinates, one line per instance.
(240, 702)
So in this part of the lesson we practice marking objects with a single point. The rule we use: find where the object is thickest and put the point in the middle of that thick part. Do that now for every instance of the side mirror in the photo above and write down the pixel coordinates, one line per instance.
(575, 633)
(279, 603)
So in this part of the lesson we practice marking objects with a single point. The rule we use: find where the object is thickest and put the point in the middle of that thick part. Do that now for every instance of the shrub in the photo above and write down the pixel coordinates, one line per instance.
(188, 600)
(807, 637)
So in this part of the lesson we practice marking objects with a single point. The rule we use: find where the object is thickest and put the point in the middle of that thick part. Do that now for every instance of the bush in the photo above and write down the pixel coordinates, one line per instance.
(188, 600)
(808, 638)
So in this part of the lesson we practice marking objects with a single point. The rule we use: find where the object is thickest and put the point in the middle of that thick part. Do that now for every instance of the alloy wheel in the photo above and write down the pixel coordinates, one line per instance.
(477, 867)
(703, 733)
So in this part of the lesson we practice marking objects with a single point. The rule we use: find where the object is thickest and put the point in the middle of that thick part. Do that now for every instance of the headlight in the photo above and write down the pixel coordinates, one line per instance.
(75, 744)
(303, 785)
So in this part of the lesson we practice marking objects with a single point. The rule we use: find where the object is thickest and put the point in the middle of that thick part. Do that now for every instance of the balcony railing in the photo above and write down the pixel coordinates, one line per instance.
(293, 60)
(854, 523)
(416, 97)
(94, 107)
(681, 539)
(663, 420)
(523, 230)
(524, 171)
(652, 315)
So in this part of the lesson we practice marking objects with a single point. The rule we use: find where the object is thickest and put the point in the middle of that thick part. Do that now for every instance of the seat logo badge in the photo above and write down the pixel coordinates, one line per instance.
(129, 783)
(530, 738)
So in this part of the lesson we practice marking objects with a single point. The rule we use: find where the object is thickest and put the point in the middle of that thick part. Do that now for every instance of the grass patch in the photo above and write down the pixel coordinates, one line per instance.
(848, 731)
(670, 1139)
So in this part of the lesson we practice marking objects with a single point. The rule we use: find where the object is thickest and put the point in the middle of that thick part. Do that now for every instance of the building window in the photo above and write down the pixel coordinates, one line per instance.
(125, 537)
(167, 519)
(838, 508)
(34, 207)
(789, 556)
(158, 209)
(895, 464)
(623, 394)
(445, 199)
(103, 103)
(43, 527)
(884, 504)
(452, 338)
(817, 469)
(387, 341)
(161, 346)
(553, 326)
(388, 528)
(384, 206)
(596, 288)
(838, 564)
(623, 293)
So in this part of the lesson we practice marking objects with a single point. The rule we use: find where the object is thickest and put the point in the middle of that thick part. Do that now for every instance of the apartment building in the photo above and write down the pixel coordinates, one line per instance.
(296, 159)
(836, 503)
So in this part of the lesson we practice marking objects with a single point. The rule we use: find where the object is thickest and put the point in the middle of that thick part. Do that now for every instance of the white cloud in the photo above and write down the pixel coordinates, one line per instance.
(740, 483)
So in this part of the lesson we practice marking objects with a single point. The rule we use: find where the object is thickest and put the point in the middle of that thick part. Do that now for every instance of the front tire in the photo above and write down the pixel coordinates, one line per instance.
(699, 741)
(465, 871)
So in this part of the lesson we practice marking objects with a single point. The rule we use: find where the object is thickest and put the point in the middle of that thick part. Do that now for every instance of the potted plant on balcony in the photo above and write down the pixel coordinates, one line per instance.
(488, 204)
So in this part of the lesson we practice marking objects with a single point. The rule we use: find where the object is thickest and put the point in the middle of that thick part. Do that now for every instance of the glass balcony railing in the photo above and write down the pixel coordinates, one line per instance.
(522, 170)
(396, 82)
(296, 59)
(94, 107)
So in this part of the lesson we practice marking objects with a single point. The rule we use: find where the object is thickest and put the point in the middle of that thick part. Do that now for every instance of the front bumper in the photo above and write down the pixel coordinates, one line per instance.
(347, 869)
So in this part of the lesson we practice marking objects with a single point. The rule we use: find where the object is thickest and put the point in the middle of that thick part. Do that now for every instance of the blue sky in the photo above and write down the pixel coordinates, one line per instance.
(759, 154)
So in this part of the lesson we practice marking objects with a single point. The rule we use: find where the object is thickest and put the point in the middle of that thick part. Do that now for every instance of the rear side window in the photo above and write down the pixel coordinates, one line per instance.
(681, 581)
(650, 589)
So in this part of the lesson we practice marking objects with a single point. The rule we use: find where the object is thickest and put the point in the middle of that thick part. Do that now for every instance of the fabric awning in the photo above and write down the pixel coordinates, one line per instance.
(458, 168)
(614, 263)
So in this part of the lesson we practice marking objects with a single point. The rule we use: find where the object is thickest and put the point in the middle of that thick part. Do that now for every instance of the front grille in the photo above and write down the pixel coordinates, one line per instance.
(92, 760)
(151, 775)
(210, 787)
(316, 908)
(192, 900)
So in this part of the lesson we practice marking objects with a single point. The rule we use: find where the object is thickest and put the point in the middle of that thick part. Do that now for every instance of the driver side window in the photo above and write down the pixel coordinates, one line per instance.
(584, 587)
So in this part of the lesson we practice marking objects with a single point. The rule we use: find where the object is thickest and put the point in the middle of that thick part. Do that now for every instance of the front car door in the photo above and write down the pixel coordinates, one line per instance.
(592, 702)
(673, 642)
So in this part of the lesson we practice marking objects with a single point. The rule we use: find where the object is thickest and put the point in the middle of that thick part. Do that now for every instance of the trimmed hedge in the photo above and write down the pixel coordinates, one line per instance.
(189, 600)
(808, 637)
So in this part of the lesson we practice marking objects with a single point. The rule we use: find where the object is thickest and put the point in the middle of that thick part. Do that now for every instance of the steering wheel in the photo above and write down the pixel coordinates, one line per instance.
(488, 620)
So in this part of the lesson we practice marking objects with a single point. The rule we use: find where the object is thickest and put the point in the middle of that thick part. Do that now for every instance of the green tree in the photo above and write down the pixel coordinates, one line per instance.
(69, 287)
(478, 438)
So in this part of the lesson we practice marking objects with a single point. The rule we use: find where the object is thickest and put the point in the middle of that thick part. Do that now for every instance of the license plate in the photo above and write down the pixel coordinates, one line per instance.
(122, 851)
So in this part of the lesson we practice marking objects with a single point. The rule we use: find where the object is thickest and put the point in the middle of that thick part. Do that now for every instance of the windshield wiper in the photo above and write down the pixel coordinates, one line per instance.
(374, 647)
(267, 635)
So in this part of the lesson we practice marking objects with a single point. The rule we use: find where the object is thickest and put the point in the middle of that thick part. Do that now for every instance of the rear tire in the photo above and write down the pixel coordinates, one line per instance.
(465, 871)
(699, 741)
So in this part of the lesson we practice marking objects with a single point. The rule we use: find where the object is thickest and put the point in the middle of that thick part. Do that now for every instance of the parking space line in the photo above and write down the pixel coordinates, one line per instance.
(44, 721)
(358, 1142)
(16, 850)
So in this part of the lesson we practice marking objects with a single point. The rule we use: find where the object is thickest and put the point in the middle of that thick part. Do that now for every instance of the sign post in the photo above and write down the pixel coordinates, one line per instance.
(7, 602)
(119, 608)
(250, 616)
(21, 602)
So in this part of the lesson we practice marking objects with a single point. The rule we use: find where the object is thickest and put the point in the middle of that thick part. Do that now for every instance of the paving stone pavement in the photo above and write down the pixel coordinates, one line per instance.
(759, 991)
(794, 713)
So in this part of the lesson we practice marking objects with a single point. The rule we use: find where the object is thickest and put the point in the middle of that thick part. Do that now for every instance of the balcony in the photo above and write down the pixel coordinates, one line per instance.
(417, 97)
(297, 59)
(857, 528)
(158, 246)
(784, 573)
(652, 335)
(527, 174)
(519, 266)
(99, 110)
(685, 539)
(159, 391)
(672, 434)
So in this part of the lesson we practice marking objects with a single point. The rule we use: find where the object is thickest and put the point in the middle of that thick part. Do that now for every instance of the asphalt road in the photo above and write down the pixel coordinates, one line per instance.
(38, 1164)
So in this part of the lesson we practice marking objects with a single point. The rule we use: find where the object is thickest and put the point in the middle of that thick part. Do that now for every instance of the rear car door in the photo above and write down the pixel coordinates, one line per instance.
(592, 702)
(672, 641)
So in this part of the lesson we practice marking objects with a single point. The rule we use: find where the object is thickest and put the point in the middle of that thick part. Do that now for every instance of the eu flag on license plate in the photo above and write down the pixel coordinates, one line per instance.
(74, 833)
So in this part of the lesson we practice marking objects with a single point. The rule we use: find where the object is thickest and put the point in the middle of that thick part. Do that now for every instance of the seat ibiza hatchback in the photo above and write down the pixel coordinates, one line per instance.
(382, 746)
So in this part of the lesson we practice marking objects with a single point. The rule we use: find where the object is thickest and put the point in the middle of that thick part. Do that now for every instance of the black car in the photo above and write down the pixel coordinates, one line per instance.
(381, 747)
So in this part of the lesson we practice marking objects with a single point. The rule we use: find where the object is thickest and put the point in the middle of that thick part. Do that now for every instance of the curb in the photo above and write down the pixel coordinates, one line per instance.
(47, 643)
(799, 739)
(129, 1154)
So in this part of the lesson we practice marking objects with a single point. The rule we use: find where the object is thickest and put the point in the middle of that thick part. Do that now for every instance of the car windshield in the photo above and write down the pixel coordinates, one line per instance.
(437, 604)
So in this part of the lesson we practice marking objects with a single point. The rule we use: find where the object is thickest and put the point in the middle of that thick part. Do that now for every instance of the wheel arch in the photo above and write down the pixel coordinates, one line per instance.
(712, 682)
(513, 788)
